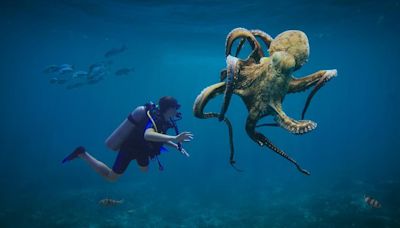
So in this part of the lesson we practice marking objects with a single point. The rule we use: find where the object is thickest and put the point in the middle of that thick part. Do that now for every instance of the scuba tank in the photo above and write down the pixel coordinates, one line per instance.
(137, 118)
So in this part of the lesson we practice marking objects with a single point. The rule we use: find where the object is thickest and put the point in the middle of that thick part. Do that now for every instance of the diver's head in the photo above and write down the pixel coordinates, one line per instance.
(168, 107)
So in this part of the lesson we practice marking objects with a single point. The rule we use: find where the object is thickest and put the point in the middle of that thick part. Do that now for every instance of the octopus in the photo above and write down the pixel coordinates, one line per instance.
(262, 82)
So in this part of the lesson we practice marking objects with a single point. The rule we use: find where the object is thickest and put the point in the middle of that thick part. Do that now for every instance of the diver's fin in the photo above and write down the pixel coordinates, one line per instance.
(79, 150)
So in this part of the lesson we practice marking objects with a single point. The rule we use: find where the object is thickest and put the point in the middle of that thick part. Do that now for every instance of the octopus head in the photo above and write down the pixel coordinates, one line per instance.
(293, 42)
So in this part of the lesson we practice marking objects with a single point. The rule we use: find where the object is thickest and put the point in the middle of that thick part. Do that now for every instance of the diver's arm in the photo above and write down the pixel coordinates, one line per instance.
(151, 135)
(172, 144)
(183, 151)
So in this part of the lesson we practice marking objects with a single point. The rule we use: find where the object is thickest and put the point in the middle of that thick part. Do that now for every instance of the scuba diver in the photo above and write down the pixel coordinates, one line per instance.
(140, 137)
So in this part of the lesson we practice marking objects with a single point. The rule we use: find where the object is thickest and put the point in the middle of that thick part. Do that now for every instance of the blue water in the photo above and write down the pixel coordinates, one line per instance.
(177, 48)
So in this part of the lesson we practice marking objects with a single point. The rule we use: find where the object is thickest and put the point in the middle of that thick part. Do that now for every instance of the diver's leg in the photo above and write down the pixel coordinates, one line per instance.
(144, 168)
(99, 167)
(120, 165)
(113, 176)
(142, 160)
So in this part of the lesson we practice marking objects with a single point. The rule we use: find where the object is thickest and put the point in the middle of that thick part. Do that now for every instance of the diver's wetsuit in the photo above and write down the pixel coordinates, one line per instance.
(135, 147)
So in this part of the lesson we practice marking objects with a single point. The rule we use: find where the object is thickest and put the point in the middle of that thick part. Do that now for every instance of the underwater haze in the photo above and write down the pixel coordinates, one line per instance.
(177, 48)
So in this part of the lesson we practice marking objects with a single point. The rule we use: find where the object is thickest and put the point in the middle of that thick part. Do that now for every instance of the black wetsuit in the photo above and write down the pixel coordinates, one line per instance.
(135, 147)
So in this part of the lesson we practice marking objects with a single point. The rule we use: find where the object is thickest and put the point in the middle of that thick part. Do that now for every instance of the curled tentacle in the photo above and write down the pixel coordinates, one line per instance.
(231, 74)
(267, 39)
(317, 86)
(293, 126)
(204, 97)
(198, 109)
(246, 34)
(239, 47)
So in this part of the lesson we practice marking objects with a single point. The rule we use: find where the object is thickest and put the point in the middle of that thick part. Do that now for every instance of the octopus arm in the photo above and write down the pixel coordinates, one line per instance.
(304, 83)
(290, 124)
(318, 79)
(198, 110)
(261, 140)
(204, 97)
(231, 74)
(267, 39)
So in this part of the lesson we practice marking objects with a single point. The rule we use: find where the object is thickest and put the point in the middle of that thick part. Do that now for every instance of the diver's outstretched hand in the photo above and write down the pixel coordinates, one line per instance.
(183, 137)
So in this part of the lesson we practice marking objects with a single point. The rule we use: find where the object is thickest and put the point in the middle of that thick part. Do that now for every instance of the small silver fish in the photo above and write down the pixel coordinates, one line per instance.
(97, 70)
(79, 74)
(110, 202)
(115, 51)
(66, 65)
(65, 70)
(372, 202)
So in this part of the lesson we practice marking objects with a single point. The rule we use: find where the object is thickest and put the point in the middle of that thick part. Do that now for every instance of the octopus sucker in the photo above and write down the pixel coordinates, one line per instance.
(262, 83)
